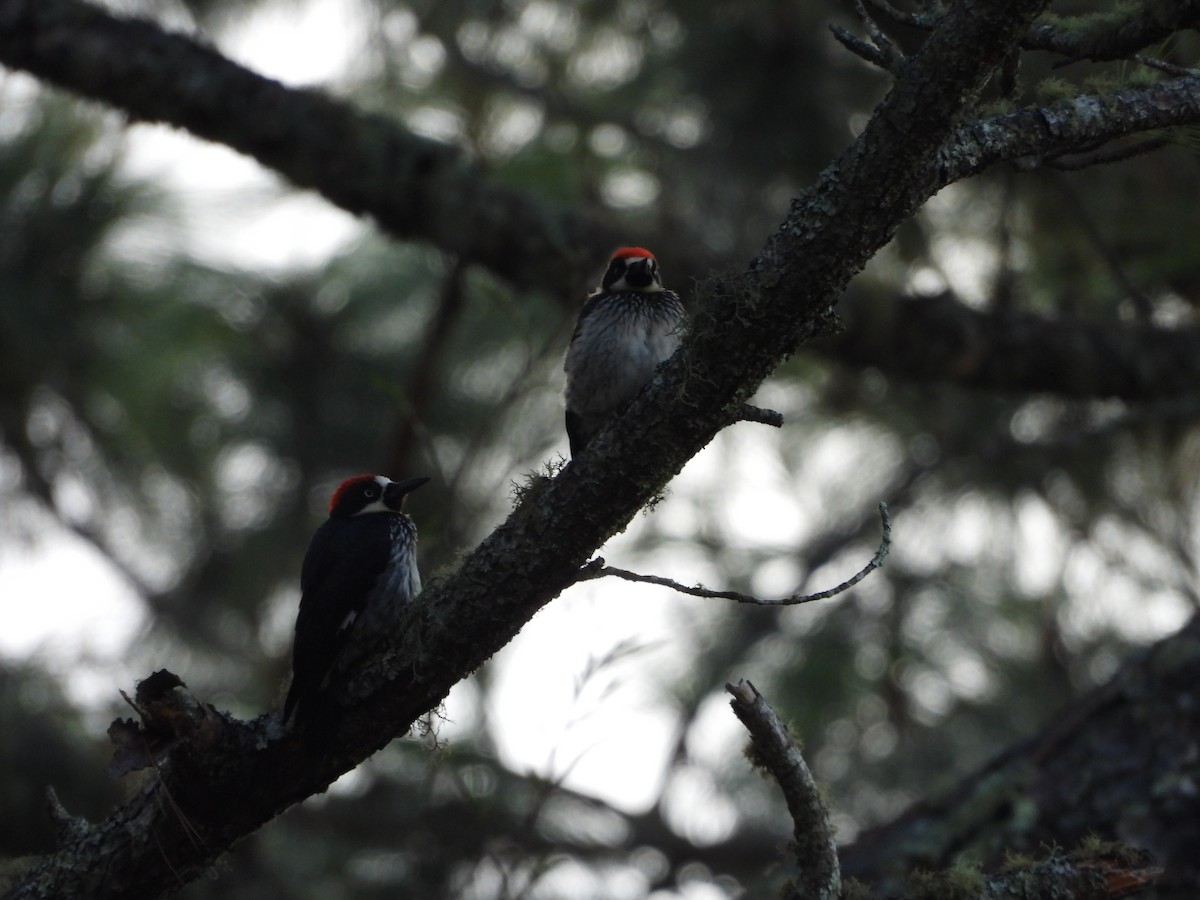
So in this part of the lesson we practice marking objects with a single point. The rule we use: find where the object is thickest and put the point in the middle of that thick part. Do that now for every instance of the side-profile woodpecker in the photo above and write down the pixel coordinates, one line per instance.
(359, 571)
(626, 329)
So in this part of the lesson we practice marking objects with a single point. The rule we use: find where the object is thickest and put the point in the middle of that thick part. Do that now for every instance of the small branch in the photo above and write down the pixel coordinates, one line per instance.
(881, 51)
(1163, 66)
(1106, 155)
(66, 826)
(860, 48)
(886, 47)
(820, 874)
(1008, 74)
(748, 413)
(597, 569)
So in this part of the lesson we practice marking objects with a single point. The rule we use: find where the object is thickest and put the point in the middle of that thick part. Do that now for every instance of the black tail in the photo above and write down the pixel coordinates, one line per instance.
(577, 434)
(309, 711)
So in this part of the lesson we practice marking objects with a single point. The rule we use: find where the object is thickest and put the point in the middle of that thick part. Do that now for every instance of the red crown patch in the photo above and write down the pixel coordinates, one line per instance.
(345, 486)
(627, 252)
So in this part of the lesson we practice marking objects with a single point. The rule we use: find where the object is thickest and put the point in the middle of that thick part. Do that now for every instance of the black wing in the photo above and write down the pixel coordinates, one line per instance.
(577, 433)
(344, 560)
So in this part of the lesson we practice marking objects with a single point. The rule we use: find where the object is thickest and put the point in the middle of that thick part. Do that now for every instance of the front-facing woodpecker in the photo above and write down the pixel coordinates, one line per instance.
(359, 571)
(626, 329)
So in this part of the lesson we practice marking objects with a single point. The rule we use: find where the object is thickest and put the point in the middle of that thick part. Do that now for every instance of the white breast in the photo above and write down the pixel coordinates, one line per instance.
(615, 352)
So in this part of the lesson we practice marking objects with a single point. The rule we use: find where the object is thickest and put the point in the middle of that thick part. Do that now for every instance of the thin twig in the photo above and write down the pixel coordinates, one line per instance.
(1163, 66)
(880, 52)
(597, 569)
(888, 49)
(1142, 304)
(420, 393)
(142, 714)
(1105, 155)
(819, 874)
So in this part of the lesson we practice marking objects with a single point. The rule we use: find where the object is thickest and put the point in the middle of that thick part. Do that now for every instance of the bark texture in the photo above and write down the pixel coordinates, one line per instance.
(1122, 763)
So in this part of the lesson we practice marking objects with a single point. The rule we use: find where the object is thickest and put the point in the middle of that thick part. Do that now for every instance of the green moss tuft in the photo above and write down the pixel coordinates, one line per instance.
(962, 881)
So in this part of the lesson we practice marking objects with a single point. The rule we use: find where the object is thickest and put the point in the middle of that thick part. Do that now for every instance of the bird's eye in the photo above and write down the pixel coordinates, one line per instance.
(371, 493)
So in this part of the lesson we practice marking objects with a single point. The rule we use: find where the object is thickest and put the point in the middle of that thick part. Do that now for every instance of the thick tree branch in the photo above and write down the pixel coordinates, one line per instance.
(1113, 34)
(940, 339)
(1109, 35)
(1034, 135)
(366, 164)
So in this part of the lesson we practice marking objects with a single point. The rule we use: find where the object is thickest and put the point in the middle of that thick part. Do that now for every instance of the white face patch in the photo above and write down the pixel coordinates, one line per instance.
(377, 504)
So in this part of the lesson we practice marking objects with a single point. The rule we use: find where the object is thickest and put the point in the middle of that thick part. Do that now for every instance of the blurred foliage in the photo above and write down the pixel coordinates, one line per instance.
(44, 743)
(187, 419)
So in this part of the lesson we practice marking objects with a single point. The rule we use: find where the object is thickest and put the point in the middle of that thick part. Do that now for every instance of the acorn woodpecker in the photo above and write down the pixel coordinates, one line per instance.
(627, 327)
(359, 571)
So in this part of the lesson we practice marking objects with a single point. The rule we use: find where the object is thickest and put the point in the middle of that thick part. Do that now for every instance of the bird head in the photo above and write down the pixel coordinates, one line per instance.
(632, 269)
(371, 494)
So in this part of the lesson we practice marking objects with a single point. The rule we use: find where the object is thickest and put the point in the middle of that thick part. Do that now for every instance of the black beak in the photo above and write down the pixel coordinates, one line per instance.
(394, 493)
(639, 274)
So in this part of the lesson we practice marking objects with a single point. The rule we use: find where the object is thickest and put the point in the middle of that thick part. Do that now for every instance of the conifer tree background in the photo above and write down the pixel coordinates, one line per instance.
(1013, 371)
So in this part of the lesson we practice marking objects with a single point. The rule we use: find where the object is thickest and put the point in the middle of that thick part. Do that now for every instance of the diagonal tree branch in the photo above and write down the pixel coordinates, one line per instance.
(415, 188)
